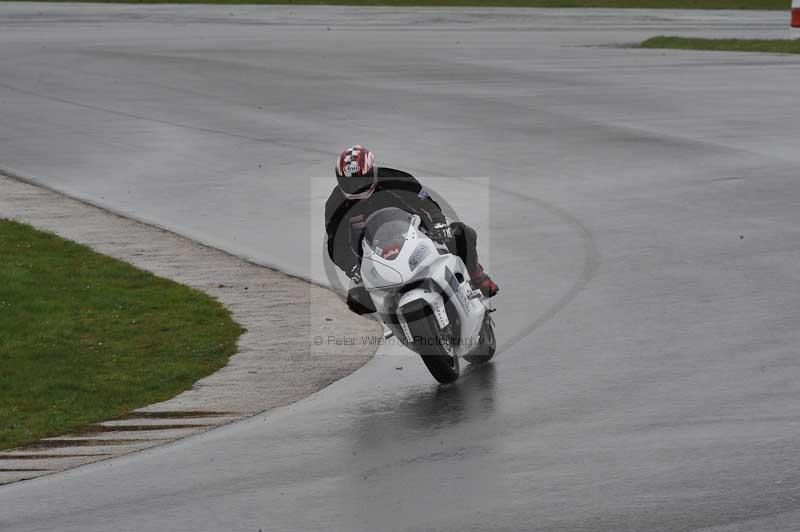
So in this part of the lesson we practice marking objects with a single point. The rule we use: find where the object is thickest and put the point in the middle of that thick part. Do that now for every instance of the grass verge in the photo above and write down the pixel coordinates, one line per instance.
(648, 4)
(777, 46)
(84, 337)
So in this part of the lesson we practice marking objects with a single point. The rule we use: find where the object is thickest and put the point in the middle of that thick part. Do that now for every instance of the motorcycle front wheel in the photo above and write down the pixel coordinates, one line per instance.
(437, 349)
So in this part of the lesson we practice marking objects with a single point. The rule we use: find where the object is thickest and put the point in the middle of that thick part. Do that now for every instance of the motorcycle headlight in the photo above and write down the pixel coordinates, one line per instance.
(420, 252)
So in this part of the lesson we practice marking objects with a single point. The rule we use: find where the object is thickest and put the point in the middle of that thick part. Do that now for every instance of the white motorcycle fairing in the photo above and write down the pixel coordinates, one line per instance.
(419, 279)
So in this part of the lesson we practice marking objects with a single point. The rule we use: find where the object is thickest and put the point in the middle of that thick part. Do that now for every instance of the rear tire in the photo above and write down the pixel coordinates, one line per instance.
(436, 348)
(487, 345)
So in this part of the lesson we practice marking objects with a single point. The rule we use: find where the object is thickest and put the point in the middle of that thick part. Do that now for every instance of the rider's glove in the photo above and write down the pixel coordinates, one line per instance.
(441, 232)
(355, 274)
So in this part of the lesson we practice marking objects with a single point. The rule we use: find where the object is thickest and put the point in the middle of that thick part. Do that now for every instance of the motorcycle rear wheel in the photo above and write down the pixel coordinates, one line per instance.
(487, 344)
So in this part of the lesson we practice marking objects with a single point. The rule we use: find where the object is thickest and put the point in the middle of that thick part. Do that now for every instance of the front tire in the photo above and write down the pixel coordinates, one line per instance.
(434, 345)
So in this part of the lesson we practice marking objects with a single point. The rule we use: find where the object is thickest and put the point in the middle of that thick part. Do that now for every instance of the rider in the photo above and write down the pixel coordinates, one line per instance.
(364, 188)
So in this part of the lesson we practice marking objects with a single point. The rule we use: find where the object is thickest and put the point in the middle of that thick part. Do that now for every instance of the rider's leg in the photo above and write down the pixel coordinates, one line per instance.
(466, 240)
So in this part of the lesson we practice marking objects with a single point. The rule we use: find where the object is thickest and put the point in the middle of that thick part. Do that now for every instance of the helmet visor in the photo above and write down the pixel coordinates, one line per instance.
(356, 184)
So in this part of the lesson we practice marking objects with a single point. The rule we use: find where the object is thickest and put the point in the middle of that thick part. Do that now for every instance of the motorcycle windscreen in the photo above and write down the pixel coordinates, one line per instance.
(385, 232)
(380, 275)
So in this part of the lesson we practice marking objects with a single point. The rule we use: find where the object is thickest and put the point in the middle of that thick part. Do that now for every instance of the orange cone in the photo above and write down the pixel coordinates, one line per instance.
(796, 13)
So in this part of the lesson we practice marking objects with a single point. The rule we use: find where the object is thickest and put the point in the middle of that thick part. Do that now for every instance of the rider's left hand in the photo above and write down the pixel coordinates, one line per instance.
(355, 274)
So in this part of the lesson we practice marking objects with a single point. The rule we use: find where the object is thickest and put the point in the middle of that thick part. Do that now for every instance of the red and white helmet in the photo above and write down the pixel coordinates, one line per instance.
(356, 173)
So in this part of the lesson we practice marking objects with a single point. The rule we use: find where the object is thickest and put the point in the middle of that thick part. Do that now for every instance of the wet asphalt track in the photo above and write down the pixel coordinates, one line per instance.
(643, 220)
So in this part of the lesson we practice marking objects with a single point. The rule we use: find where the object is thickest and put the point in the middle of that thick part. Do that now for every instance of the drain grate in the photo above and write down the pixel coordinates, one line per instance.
(176, 414)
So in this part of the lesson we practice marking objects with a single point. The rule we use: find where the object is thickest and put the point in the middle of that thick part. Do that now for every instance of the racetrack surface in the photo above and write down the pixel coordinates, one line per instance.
(643, 224)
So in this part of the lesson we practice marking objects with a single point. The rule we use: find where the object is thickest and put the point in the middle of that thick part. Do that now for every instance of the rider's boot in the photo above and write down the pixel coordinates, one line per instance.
(480, 280)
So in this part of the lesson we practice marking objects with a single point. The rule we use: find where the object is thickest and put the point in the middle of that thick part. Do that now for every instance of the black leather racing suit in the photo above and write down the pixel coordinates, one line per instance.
(345, 219)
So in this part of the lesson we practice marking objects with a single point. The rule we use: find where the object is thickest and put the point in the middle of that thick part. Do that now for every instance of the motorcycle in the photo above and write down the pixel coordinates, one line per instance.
(422, 294)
